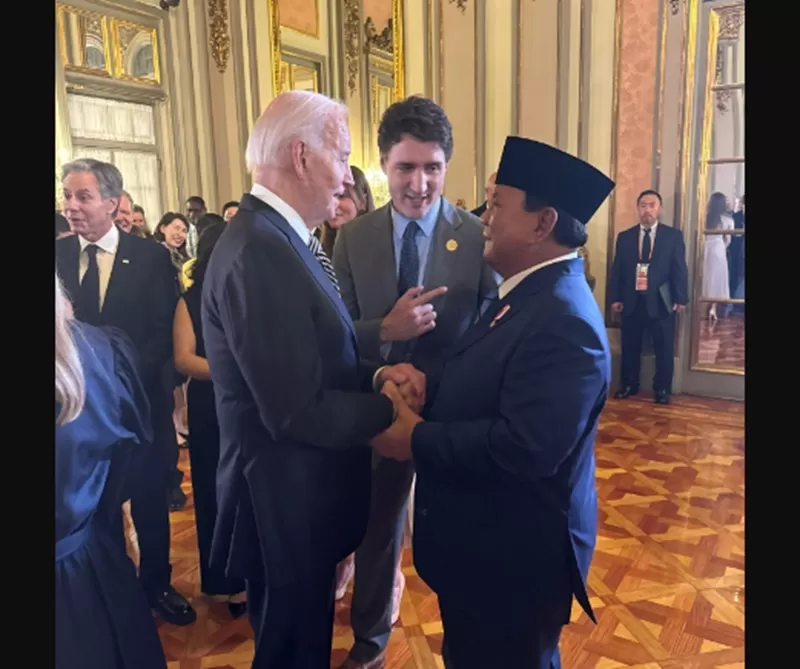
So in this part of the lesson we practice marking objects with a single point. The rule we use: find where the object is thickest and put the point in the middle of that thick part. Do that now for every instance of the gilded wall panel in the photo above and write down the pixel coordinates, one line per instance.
(300, 15)
(638, 78)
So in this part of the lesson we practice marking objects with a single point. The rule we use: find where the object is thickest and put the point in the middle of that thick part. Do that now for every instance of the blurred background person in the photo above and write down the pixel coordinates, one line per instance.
(195, 209)
(203, 427)
(206, 221)
(716, 282)
(62, 226)
(229, 210)
(355, 201)
(172, 231)
(102, 429)
(124, 217)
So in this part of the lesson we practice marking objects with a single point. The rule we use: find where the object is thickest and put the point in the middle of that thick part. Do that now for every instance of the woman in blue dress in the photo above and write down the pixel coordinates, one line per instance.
(102, 423)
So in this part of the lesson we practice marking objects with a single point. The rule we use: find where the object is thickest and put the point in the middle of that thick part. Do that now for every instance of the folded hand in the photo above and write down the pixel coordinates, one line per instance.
(395, 442)
(410, 383)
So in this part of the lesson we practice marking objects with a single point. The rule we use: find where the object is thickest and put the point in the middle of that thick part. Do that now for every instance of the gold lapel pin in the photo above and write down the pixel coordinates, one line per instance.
(451, 245)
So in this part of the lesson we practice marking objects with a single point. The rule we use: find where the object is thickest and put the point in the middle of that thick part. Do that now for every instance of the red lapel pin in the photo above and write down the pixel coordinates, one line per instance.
(500, 314)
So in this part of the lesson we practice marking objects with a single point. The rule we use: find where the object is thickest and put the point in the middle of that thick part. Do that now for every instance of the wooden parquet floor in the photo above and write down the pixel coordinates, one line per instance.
(667, 581)
(722, 342)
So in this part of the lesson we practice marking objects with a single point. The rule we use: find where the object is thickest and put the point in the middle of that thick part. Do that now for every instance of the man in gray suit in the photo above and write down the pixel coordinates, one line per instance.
(413, 279)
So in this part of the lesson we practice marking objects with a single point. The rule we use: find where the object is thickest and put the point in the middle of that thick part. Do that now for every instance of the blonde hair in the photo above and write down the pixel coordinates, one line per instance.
(70, 382)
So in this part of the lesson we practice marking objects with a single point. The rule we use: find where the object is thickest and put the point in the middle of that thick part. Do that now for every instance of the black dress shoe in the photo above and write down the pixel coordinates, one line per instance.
(237, 609)
(625, 393)
(173, 607)
(176, 499)
(661, 397)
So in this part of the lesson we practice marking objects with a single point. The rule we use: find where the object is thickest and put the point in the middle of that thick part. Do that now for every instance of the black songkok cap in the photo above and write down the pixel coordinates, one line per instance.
(561, 180)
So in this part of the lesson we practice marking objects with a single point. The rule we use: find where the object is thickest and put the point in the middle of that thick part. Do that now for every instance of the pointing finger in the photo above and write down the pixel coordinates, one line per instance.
(430, 295)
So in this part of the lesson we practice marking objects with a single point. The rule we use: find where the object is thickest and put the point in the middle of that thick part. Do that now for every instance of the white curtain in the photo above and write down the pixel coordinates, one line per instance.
(111, 120)
(124, 123)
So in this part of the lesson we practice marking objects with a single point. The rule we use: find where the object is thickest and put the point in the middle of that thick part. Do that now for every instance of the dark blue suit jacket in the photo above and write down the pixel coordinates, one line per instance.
(295, 405)
(667, 278)
(506, 505)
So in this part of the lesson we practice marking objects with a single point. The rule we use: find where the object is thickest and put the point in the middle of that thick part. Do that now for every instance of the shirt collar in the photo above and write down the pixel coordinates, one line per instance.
(278, 204)
(512, 282)
(652, 228)
(108, 242)
(427, 223)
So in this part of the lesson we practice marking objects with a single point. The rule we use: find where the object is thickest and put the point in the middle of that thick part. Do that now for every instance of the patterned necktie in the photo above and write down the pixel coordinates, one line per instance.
(322, 257)
(88, 302)
(409, 259)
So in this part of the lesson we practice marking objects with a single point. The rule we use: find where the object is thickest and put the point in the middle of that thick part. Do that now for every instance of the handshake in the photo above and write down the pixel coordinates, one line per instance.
(405, 386)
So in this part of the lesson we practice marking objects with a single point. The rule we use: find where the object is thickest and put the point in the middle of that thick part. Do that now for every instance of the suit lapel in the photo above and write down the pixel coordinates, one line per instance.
(119, 279)
(311, 263)
(446, 249)
(494, 318)
(379, 248)
(658, 244)
(498, 316)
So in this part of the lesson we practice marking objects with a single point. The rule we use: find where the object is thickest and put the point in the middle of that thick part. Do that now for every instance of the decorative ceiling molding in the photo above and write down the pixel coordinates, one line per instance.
(219, 38)
(352, 29)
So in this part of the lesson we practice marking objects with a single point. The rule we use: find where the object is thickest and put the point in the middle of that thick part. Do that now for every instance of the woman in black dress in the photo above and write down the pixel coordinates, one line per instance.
(103, 620)
(203, 427)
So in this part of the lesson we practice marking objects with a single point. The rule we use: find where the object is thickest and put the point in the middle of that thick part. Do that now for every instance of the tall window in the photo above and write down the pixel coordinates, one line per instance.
(122, 133)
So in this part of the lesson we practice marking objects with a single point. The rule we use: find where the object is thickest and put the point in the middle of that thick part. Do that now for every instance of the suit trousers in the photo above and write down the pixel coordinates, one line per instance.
(378, 555)
(293, 624)
(483, 637)
(662, 331)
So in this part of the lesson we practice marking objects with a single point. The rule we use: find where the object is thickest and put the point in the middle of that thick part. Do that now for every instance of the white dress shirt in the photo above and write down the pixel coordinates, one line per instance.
(513, 281)
(285, 210)
(107, 249)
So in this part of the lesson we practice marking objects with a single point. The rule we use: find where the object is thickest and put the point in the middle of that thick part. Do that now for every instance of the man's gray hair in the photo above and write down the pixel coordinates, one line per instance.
(128, 195)
(109, 178)
(292, 115)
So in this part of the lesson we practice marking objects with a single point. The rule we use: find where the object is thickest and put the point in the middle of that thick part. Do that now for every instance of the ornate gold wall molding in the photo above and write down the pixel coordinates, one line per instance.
(731, 20)
(352, 27)
(461, 4)
(399, 50)
(275, 44)
(675, 6)
(219, 38)
(382, 41)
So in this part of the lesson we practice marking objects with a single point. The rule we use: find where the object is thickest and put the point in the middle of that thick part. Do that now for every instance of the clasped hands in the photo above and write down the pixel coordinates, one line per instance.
(405, 386)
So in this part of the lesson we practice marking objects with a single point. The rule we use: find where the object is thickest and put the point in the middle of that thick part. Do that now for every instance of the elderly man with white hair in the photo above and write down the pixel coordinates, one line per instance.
(296, 405)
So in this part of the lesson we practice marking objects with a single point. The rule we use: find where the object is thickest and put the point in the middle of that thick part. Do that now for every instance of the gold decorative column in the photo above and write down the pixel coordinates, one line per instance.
(275, 45)
(352, 43)
(399, 50)
(219, 38)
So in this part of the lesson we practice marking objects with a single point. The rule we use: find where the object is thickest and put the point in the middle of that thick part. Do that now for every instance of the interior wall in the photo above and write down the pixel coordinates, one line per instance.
(459, 97)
